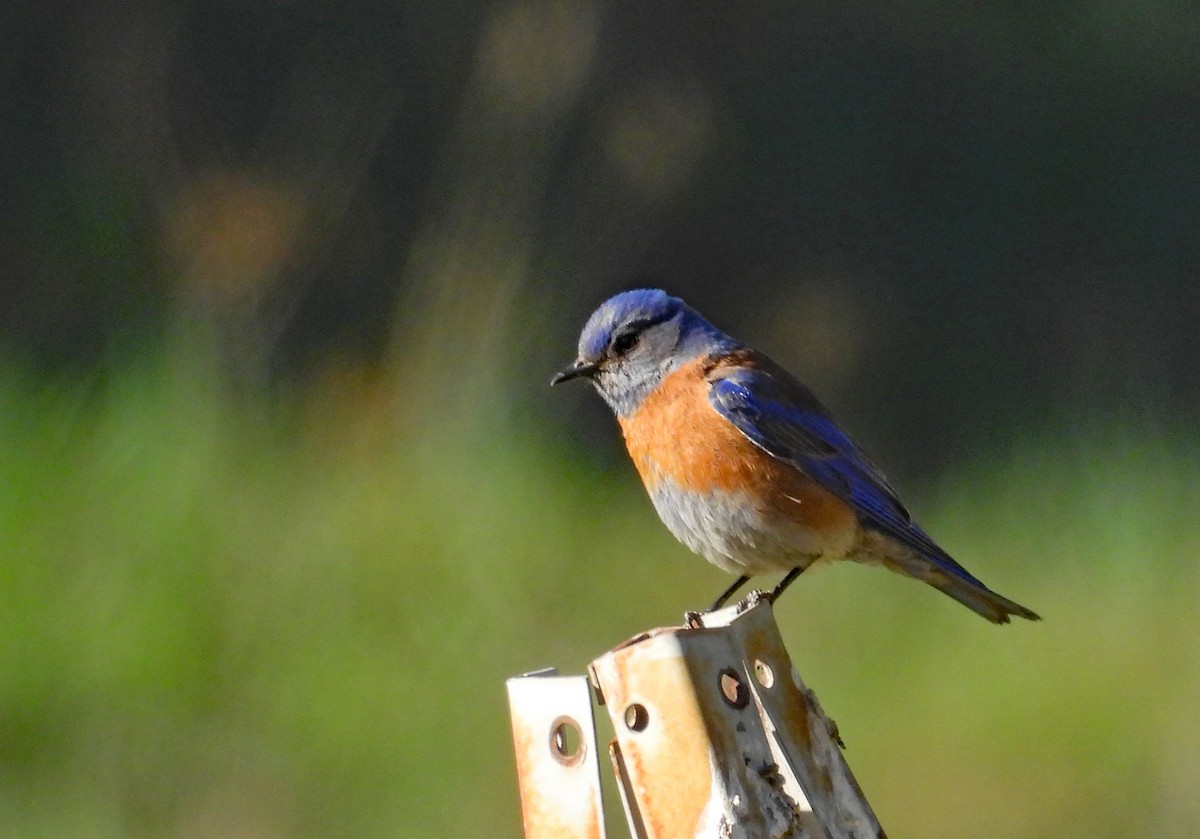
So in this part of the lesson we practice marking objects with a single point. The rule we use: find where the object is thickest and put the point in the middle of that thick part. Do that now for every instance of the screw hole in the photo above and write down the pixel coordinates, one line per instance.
(566, 741)
(733, 689)
(637, 717)
(764, 673)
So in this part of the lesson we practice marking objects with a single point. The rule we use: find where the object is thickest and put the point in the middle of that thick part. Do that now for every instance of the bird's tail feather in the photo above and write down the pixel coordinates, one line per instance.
(983, 600)
(971, 593)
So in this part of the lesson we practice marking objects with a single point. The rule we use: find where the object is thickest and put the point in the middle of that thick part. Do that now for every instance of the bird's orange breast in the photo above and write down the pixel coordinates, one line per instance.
(676, 435)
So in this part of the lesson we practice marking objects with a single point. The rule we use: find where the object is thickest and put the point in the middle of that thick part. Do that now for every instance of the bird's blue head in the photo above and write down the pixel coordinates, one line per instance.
(635, 339)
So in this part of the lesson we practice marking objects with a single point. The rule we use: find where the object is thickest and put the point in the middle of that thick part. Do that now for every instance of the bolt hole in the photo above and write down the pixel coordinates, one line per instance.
(764, 673)
(566, 741)
(637, 717)
(734, 689)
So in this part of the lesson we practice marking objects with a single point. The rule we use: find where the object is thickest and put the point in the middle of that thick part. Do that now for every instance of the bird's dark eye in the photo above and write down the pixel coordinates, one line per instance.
(624, 342)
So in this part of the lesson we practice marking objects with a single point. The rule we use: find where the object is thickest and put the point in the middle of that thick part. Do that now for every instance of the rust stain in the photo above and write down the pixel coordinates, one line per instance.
(542, 814)
(696, 761)
(668, 761)
(556, 799)
(795, 710)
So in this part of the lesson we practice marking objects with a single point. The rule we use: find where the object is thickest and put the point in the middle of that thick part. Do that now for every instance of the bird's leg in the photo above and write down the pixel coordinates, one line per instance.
(728, 593)
(785, 582)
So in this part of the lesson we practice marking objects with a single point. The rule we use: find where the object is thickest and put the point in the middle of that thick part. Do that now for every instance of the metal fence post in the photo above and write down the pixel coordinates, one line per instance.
(554, 735)
(716, 736)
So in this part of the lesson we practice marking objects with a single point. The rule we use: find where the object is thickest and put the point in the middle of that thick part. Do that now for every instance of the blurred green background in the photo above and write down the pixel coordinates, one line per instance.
(285, 497)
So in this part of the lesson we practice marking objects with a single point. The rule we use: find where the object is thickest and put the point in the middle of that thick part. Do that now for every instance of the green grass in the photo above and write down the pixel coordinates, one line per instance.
(224, 617)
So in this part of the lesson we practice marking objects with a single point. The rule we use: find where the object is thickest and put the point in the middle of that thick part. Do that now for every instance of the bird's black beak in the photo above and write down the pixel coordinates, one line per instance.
(580, 368)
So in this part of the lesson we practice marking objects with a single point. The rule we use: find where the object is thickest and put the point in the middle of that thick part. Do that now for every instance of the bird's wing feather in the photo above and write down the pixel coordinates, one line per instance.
(781, 416)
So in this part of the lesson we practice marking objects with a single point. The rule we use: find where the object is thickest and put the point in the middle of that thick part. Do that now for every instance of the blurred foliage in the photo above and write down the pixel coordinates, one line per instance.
(232, 618)
(284, 497)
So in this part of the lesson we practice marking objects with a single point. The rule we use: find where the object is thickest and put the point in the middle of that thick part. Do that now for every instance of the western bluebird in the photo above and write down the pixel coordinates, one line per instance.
(741, 461)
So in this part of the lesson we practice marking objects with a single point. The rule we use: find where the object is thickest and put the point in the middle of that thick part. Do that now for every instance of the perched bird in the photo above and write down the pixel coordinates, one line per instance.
(741, 461)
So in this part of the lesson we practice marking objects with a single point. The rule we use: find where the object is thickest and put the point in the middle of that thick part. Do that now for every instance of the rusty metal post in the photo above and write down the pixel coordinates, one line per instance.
(804, 741)
(554, 734)
(716, 736)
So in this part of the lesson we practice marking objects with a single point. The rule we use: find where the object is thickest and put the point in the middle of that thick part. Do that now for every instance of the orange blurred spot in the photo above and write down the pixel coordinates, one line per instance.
(232, 234)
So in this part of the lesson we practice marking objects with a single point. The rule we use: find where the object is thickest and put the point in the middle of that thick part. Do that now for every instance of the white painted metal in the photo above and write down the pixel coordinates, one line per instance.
(554, 736)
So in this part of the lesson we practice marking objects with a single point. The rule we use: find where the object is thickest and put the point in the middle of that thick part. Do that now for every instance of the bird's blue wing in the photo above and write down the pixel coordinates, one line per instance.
(781, 416)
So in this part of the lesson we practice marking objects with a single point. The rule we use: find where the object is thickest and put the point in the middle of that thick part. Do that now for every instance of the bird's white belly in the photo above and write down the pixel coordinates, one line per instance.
(733, 532)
